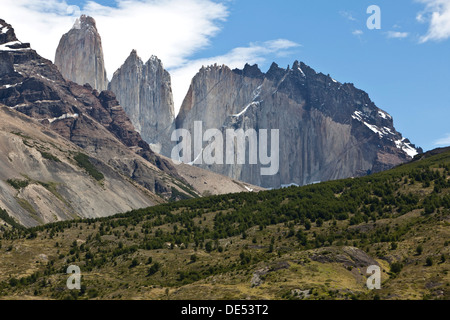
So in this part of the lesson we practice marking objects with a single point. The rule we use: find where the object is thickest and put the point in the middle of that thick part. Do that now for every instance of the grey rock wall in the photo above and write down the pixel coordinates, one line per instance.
(79, 56)
(328, 130)
(145, 93)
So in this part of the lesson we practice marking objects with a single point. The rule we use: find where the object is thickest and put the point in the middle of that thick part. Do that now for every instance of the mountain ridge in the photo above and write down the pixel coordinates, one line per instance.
(322, 122)
(329, 130)
(93, 121)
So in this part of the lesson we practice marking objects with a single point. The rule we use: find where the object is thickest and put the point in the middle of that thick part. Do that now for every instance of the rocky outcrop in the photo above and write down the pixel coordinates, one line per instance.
(93, 121)
(79, 55)
(7, 34)
(347, 256)
(328, 130)
(144, 91)
(40, 182)
(8, 44)
(45, 121)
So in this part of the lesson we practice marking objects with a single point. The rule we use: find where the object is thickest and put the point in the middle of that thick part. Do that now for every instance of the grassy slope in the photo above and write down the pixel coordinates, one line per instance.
(273, 245)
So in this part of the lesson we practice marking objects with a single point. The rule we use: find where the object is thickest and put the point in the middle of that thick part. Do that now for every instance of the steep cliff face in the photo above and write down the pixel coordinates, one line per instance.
(40, 181)
(145, 93)
(328, 130)
(93, 121)
(46, 121)
(79, 55)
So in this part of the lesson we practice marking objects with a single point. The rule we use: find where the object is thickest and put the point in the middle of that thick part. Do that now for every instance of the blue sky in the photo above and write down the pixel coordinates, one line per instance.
(404, 66)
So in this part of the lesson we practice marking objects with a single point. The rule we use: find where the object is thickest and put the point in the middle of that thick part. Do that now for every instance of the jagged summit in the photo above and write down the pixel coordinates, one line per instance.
(76, 119)
(84, 22)
(132, 58)
(79, 55)
(145, 93)
(6, 32)
(250, 71)
(328, 130)
(8, 39)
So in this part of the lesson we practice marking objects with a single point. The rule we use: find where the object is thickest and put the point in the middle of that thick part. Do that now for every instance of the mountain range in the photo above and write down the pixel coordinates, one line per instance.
(71, 151)
(87, 179)
(314, 242)
(328, 130)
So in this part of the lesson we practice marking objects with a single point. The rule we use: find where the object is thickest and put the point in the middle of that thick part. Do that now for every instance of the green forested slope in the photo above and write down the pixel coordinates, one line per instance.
(313, 242)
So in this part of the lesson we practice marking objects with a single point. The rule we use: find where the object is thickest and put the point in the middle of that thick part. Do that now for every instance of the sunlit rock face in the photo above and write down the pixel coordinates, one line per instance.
(145, 93)
(79, 55)
(328, 130)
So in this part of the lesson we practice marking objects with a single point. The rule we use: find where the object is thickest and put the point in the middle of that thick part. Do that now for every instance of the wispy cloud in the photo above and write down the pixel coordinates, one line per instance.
(445, 141)
(347, 15)
(397, 35)
(171, 29)
(437, 14)
(253, 53)
(358, 33)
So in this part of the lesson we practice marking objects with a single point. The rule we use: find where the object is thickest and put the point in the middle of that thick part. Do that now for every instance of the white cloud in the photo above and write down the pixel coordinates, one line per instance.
(171, 29)
(437, 14)
(358, 33)
(255, 53)
(397, 35)
(445, 141)
(42, 23)
(348, 15)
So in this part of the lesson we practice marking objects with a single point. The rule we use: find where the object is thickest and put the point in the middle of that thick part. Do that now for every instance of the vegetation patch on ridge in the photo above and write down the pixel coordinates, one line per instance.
(310, 242)
(84, 162)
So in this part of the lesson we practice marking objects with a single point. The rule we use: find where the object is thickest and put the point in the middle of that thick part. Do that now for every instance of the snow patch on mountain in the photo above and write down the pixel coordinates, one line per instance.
(64, 116)
(384, 115)
(406, 147)
(253, 104)
(7, 46)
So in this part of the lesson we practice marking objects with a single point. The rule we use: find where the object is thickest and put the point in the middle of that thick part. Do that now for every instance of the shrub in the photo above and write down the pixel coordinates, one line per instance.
(84, 162)
(134, 263)
(154, 268)
(419, 250)
(18, 184)
(49, 156)
(209, 246)
(396, 267)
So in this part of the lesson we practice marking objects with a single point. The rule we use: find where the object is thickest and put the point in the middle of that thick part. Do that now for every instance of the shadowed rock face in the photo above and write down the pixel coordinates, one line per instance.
(145, 93)
(94, 121)
(79, 55)
(57, 188)
(44, 117)
(328, 130)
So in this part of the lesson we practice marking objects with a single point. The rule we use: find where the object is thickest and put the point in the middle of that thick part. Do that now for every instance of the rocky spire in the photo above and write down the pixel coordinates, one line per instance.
(145, 93)
(6, 33)
(79, 55)
(9, 44)
(8, 39)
